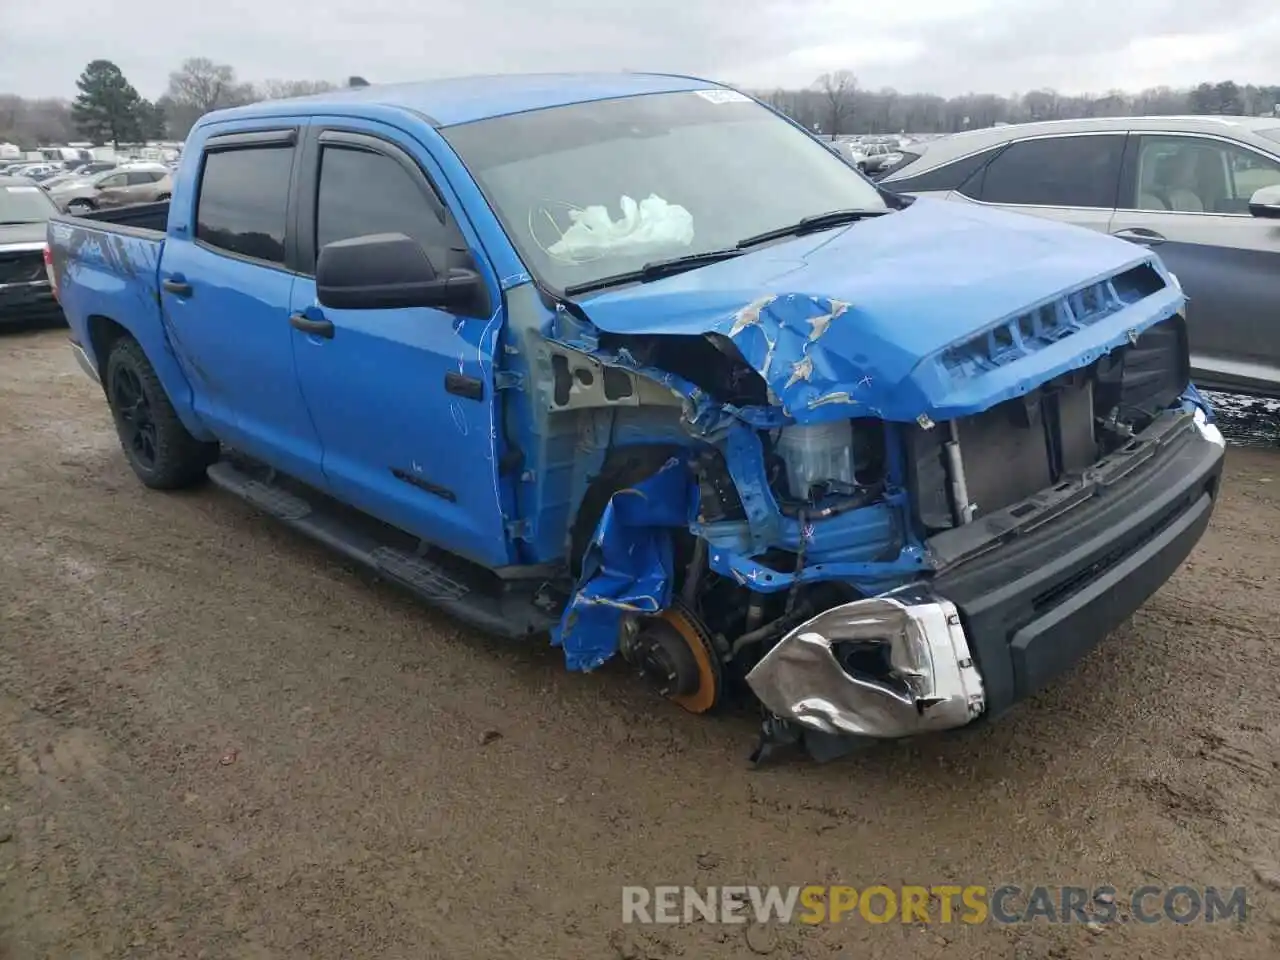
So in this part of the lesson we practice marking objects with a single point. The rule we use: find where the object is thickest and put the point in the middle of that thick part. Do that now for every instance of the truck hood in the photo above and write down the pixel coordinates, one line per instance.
(21, 234)
(936, 311)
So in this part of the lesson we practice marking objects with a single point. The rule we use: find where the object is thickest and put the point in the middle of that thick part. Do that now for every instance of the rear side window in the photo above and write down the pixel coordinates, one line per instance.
(363, 193)
(1077, 171)
(949, 176)
(244, 198)
(138, 177)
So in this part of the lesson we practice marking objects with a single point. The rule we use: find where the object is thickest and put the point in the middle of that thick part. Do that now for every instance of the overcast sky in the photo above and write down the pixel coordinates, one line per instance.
(941, 46)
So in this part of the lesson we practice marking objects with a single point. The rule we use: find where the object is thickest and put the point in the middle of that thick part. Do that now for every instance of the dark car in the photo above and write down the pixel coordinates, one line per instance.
(25, 291)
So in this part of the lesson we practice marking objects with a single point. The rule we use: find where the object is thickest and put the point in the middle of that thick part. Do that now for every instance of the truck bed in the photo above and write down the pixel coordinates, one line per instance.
(143, 216)
(107, 265)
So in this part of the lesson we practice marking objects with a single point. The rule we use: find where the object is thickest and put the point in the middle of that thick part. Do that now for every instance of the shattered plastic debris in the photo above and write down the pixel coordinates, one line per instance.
(651, 224)
(628, 566)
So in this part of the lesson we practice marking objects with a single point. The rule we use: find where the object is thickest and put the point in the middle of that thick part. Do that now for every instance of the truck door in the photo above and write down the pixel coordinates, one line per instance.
(1187, 197)
(403, 399)
(225, 292)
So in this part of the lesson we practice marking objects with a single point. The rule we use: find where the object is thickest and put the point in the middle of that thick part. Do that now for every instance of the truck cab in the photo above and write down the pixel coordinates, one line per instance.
(633, 362)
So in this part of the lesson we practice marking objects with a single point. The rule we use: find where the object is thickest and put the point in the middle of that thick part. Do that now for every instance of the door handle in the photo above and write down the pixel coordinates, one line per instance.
(317, 328)
(177, 286)
(1140, 235)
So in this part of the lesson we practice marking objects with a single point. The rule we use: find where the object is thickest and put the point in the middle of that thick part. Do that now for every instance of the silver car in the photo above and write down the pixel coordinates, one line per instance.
(114, 188)
(1204, 192)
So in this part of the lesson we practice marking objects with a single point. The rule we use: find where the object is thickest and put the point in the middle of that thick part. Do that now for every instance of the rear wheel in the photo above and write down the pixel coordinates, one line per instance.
(162, 453)
(163, 198)
(79, 207)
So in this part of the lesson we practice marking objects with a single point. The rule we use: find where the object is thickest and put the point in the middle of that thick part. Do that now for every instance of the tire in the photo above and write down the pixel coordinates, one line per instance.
(163, 198)
(78, 208)
(162, 453)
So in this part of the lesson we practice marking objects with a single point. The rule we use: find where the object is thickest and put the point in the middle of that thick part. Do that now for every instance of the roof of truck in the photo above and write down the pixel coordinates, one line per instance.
(457, 100)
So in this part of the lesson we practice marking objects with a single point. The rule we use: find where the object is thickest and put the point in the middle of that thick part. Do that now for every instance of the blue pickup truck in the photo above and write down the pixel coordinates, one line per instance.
(633, 362)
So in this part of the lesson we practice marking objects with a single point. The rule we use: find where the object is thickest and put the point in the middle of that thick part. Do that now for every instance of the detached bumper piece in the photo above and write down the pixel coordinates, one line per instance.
(883, 668)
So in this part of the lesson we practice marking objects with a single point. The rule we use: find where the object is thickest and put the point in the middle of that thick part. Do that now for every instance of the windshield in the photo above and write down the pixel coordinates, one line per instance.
(24, 204)
(598, 189)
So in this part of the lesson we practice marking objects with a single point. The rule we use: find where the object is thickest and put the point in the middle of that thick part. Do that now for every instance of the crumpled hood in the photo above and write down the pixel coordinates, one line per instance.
(855, 322)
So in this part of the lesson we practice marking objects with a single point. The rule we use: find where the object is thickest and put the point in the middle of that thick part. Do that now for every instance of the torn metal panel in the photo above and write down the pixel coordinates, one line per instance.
(887, 667)
(628, 567)
(703, 413)
(927, 312)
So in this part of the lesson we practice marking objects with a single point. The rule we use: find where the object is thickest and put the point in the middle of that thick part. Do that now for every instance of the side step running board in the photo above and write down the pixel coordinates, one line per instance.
(503, 609)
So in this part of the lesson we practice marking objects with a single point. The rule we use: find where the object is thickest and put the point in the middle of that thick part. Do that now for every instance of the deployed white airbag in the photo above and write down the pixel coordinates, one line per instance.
(652, 224)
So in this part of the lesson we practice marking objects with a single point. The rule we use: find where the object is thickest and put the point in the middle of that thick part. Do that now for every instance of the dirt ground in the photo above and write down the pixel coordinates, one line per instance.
(216, 740)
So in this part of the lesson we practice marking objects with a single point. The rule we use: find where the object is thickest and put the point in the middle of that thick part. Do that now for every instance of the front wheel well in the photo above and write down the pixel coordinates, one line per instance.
(624, 467)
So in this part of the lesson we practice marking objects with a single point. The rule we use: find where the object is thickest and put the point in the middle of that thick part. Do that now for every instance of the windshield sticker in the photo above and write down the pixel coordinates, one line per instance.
(23, 189)
(723, 96)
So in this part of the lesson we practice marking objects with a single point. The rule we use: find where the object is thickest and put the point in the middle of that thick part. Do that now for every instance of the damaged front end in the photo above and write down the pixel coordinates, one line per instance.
(771, 490)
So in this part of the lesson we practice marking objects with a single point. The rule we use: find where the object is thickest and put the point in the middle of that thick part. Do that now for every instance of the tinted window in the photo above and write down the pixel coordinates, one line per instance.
(363, 193)
(1198, 175)
(137, 177)
(244, 194)
(949, 176)
(1082, 171)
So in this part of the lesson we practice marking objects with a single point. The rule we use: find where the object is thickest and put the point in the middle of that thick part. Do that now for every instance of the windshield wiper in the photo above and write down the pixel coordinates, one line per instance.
(819, 221)
(655, 270)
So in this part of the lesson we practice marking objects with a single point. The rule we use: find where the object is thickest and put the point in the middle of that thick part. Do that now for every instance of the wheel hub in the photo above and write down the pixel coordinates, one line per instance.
(675, 654)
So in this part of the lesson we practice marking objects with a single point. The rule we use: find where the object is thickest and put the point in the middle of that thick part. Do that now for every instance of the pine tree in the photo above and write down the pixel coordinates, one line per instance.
(108, 108)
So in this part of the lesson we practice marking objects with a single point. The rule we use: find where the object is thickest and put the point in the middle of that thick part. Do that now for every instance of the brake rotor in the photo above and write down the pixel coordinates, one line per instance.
(675, 652)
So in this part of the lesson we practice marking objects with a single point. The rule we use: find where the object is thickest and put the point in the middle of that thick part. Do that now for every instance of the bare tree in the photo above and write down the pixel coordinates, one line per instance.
(837, 91)
(287, 89)
(200, 85)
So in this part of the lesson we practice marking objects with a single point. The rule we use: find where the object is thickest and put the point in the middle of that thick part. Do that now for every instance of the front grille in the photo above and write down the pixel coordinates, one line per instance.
(1047, 324)
(1028, 444)
(24, 267)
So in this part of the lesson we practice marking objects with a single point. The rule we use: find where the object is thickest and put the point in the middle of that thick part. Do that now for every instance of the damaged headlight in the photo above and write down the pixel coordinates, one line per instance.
(886, 667)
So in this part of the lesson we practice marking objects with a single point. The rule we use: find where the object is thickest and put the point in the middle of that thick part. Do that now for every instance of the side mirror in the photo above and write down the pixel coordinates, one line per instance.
(389, 270)
(1266, 203)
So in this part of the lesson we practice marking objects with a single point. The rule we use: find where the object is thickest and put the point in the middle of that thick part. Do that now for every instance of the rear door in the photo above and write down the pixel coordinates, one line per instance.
(1187, 197)
(226, 289)
(112, 191)
(1073, 178)
(140, 186)
(403, 399)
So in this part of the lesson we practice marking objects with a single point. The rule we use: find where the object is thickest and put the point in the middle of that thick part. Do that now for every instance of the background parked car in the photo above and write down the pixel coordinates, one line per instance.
(880, 157)
(36, 171)
(25, 292)
(1204, 192)
(115, 188)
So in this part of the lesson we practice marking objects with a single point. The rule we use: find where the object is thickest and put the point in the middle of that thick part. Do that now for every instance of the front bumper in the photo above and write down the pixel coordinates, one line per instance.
(994, 628)
(1042, 600)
